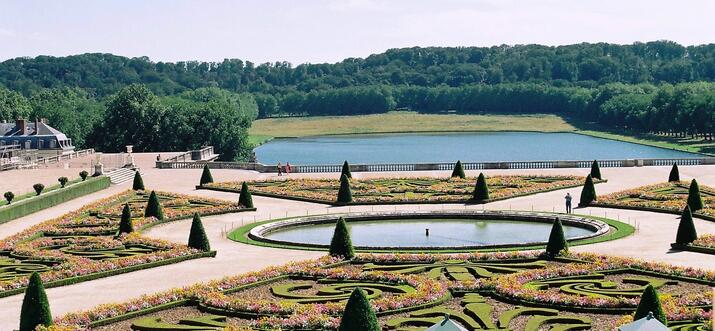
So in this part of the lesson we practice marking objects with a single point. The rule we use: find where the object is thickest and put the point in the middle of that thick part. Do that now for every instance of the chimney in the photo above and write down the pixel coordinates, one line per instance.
(37, 125)
(21, 125)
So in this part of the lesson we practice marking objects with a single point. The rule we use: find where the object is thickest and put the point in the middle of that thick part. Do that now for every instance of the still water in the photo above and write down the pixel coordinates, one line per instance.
(450, 147)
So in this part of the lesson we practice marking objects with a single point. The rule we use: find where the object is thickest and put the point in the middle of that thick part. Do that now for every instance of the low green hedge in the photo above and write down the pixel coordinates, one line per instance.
(55, 197)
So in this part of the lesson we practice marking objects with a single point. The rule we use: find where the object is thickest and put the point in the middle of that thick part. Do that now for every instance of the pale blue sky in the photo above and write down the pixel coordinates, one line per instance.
(331, 30)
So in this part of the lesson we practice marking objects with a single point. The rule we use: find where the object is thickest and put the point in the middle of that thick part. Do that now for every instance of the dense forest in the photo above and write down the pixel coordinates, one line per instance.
(643, 87)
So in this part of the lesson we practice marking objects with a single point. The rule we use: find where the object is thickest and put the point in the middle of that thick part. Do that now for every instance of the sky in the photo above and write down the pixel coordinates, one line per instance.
(317, 31)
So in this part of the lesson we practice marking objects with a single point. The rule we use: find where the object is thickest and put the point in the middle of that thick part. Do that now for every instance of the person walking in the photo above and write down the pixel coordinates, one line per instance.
(288, 169)
(568, 203)
(280, 169)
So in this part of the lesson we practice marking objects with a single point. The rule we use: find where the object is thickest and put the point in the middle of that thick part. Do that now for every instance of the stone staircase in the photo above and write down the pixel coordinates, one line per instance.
(121, 175)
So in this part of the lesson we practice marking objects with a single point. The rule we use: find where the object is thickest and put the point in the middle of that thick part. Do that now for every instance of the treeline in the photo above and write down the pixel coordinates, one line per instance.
(136, 116)
(583, 65)
(686, 108)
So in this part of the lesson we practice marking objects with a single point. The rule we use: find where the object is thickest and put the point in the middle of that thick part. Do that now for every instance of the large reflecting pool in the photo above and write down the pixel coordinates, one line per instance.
(446, 147)
(442, 233)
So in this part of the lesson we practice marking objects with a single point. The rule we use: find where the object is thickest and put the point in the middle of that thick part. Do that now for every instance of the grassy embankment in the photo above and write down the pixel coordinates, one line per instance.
(405, 122)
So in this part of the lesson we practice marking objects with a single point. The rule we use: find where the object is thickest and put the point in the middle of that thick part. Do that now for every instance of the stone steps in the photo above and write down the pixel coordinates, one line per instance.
(121, 175)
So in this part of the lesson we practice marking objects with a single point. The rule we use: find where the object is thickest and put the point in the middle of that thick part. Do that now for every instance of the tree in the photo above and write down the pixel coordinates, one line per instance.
(686, 228)
(35, 306)
(595, 170)
(346, 170)
(340, 244)
(694, 200)
(13, 105)
(206, 176)
(650, 303)
(138, 184)
(674, 174)
(588, 193)
(358, 314)
(345, 195)
(125, 224)
(38, 188)
(153, 207)
(481, 191)
(557, 240)
(197, 235)
(458, 170)
(83, 174)
(245, 199)
(63, 181)
(9, 196)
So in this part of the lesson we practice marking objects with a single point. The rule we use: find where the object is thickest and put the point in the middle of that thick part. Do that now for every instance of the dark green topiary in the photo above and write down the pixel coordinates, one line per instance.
(345, 195)
(458, 170)
(674, 174)
(346, 170)
(197, 235)
(481, 191)
(245, 199)
(35, 307)
(588, 193)
(595, 170)
(650, 303)
(9, 196)
(38, 188)
(557, 240)
(206, 176)
(153, 207)
(694, 200)
(138, 182)
(358, 314)
(686, 229)
(125, 224)
(83, 174)
(340, 244)
(63, 181)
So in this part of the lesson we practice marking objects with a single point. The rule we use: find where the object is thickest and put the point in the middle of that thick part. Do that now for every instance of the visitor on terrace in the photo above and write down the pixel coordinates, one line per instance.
(288, 168)
(280, 169)
(568, 203)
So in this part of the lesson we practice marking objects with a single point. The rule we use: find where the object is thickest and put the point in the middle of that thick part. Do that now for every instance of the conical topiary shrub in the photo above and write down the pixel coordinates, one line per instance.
(153, 207)
(674, 174)
(125, 224)
(481, 191)
(197, 235)
(588, 193)
(345, 195)
(650, 303)
(346, 170)
(557, 240)
(245, 199)
(35, 307)
(340, 244)
(694, 200)
(206, 177)
(358, 314)
(595, 170)
(138, 182)
(686, 229)
(458, 170)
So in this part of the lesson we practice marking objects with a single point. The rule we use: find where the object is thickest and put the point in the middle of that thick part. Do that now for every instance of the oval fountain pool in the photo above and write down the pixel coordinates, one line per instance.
(407, 230)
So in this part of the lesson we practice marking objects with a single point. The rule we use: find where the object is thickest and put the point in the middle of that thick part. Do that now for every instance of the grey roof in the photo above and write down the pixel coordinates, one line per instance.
(42, 129)
(648, 323)
(446, 325)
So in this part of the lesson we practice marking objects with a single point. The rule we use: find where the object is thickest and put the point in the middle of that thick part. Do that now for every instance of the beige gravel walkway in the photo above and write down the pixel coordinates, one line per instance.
(650, 242)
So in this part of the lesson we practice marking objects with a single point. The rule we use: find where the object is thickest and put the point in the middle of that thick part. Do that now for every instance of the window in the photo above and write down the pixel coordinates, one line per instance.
(28, 144)
(40, 144)
(53, 144)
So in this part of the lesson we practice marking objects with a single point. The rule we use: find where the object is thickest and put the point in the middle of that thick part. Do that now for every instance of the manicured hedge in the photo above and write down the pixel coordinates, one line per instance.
(31, 205)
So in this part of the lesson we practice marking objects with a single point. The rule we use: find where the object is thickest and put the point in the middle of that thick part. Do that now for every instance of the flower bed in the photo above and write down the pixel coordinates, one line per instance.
(422, 282)
(664, 197)
(83, 244)
(403, 190)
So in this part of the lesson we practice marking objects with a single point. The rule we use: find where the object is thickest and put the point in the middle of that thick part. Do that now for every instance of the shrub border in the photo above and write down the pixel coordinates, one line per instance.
(377, 203)
(650, 209)
(622, 230)
(693, 248)
(53, 198)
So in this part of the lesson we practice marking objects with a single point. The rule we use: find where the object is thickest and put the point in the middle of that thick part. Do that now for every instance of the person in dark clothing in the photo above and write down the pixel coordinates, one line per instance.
(280, 169)
(568, 203)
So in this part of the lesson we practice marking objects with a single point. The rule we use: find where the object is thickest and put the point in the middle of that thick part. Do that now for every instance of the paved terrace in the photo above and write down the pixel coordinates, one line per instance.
(651, 242)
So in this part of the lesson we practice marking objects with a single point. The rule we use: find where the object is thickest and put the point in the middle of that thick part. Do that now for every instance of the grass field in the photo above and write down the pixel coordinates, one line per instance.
(403, 122)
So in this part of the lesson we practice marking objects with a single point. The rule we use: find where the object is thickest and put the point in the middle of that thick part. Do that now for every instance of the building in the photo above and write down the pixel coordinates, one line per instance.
(34, 137)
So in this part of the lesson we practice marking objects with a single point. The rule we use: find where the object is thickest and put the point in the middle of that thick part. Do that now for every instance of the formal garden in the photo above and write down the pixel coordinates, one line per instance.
(103, 239)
